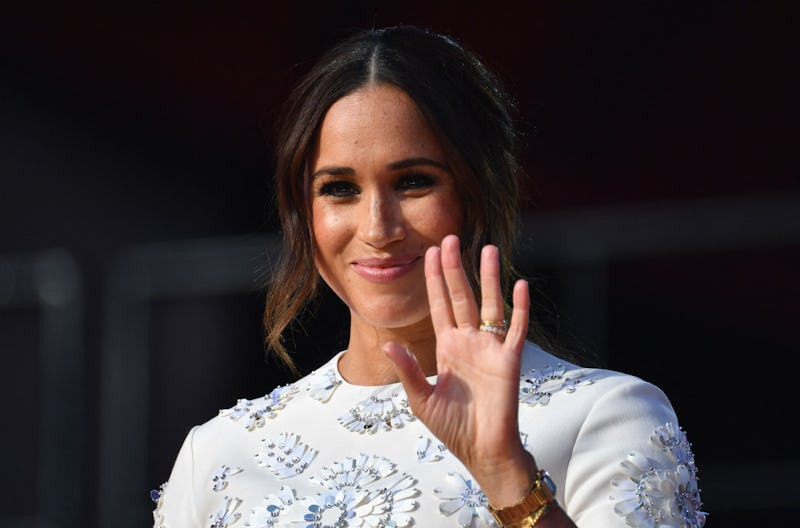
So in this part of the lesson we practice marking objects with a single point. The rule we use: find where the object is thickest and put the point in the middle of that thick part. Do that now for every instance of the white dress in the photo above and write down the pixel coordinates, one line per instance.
(321, 452)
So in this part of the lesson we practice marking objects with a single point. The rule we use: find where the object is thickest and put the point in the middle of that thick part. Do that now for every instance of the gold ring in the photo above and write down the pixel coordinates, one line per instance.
(494, 327)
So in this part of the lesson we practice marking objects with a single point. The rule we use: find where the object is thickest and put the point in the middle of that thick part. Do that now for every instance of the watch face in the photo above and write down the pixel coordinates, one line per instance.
(548, 482)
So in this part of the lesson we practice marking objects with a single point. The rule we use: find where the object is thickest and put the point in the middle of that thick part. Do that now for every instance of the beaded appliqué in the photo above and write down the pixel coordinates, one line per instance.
(157, 496)
(649, 494)
(274, 505)
(537, 386)
(220, 479)
(429, 450)
(226, 514)
(378, 413)
(258, 409)
(323, 384)
(461, 495)
(285, 456)
(363, 491)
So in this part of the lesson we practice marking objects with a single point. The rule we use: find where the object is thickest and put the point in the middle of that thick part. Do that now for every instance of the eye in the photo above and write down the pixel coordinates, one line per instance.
(414, 181)
(338, 189)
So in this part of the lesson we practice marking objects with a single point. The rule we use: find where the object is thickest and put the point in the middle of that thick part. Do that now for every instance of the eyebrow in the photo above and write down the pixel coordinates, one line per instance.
(397, 165)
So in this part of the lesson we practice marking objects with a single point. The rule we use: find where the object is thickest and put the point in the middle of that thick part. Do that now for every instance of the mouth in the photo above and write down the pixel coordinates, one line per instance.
(385, 269)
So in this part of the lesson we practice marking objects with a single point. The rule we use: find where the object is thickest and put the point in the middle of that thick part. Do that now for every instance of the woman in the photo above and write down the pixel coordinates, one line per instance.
(397, 185)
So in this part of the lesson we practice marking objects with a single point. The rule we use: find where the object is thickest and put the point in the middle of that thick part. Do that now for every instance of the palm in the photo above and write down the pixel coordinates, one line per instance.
(472, 408)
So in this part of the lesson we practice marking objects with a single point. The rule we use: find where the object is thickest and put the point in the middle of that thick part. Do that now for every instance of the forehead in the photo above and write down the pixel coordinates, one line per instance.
(377, 121)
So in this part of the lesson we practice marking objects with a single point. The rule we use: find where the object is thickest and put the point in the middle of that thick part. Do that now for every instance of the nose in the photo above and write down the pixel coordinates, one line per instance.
(382, 222)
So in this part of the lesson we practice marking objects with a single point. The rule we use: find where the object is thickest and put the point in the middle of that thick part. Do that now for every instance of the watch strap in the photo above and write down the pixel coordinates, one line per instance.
(539, 496)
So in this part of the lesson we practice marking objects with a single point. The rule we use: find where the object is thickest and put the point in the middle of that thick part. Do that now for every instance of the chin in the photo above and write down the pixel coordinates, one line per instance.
(392, 317)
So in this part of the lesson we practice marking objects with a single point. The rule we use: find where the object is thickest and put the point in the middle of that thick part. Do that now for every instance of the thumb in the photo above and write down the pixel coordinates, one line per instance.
(410, 373)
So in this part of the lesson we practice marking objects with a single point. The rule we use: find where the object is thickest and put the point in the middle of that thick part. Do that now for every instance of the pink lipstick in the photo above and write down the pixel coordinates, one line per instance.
(385, 269)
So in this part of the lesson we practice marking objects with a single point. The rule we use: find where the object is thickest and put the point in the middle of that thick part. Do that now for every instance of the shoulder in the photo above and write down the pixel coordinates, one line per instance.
(253, 414)
(600, 387)
(602, 433)
(594, 410)
(244, 415)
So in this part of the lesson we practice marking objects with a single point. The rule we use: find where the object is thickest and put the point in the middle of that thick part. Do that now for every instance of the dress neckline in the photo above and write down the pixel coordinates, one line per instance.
(333, 364)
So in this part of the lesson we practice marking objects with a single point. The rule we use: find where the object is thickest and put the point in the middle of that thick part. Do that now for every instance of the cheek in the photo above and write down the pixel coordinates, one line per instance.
(322, 225)
(322, 236)
(329, 230)
(441, 217)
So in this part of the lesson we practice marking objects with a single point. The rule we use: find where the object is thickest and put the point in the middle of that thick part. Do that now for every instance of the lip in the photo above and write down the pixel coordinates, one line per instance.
(385, 269)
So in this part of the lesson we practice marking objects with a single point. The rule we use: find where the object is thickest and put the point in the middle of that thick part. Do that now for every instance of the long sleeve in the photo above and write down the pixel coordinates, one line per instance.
(175, 507)
(631, 463)
(612, 443)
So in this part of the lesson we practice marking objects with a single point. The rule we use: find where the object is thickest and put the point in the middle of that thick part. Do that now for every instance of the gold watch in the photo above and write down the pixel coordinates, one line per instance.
(541, 494)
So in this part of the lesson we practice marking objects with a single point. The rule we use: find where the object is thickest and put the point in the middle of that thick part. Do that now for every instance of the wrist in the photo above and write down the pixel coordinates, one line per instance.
(528, 510)
(505, 482)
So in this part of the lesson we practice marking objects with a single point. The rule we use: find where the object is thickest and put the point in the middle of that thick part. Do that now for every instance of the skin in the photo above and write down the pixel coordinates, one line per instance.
(386, 217)
(382, 194)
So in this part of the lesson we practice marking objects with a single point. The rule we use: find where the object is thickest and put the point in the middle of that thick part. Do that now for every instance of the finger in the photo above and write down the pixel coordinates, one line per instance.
(462, 298)
(518, 329)
(492, 308)
(438, 297)
(410, 373)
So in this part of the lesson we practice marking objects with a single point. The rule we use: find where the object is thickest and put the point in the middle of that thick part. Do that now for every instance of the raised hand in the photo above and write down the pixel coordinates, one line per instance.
(473, 406)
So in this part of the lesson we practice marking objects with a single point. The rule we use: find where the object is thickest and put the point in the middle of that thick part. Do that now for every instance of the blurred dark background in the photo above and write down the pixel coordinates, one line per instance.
(136, 232)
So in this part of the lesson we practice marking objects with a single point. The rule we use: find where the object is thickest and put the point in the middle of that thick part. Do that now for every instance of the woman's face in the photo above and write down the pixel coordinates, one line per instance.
(382, 193)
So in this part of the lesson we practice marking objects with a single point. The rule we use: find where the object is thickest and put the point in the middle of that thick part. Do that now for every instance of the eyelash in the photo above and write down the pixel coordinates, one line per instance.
(415, 180)
(343, 189)
(338, 189)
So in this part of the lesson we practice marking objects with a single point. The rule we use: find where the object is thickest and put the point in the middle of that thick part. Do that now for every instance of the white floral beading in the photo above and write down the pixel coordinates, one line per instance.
(648, 495)
(256, 410)
(354, 472)
(363, 491)
(226, 514)
(378, 413)
(157, 495)
(322, 385)
(220, 479)
(429, 450)
(537, 386)
(354, 507)
(285, 457)
(274, 506)
(460, 495)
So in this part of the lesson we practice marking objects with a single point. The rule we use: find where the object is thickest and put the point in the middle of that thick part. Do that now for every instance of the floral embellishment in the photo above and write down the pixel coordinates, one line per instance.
(256, 410)
(220, 479)
(267, 514)
(428, 451)
(363, 491)
(286, 456)
(354, 472)
(322, 385)
(649, 494)
(377, 412)
(157, 496)
(537, 386)
(354, 507)
(460, 495)
(226, 515)
(671, 439)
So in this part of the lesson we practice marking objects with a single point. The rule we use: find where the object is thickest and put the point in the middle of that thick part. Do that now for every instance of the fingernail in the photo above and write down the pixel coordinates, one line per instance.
(410, 353)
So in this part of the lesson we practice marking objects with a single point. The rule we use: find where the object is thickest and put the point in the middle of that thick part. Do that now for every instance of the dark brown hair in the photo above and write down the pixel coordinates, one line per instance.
(465, 105)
